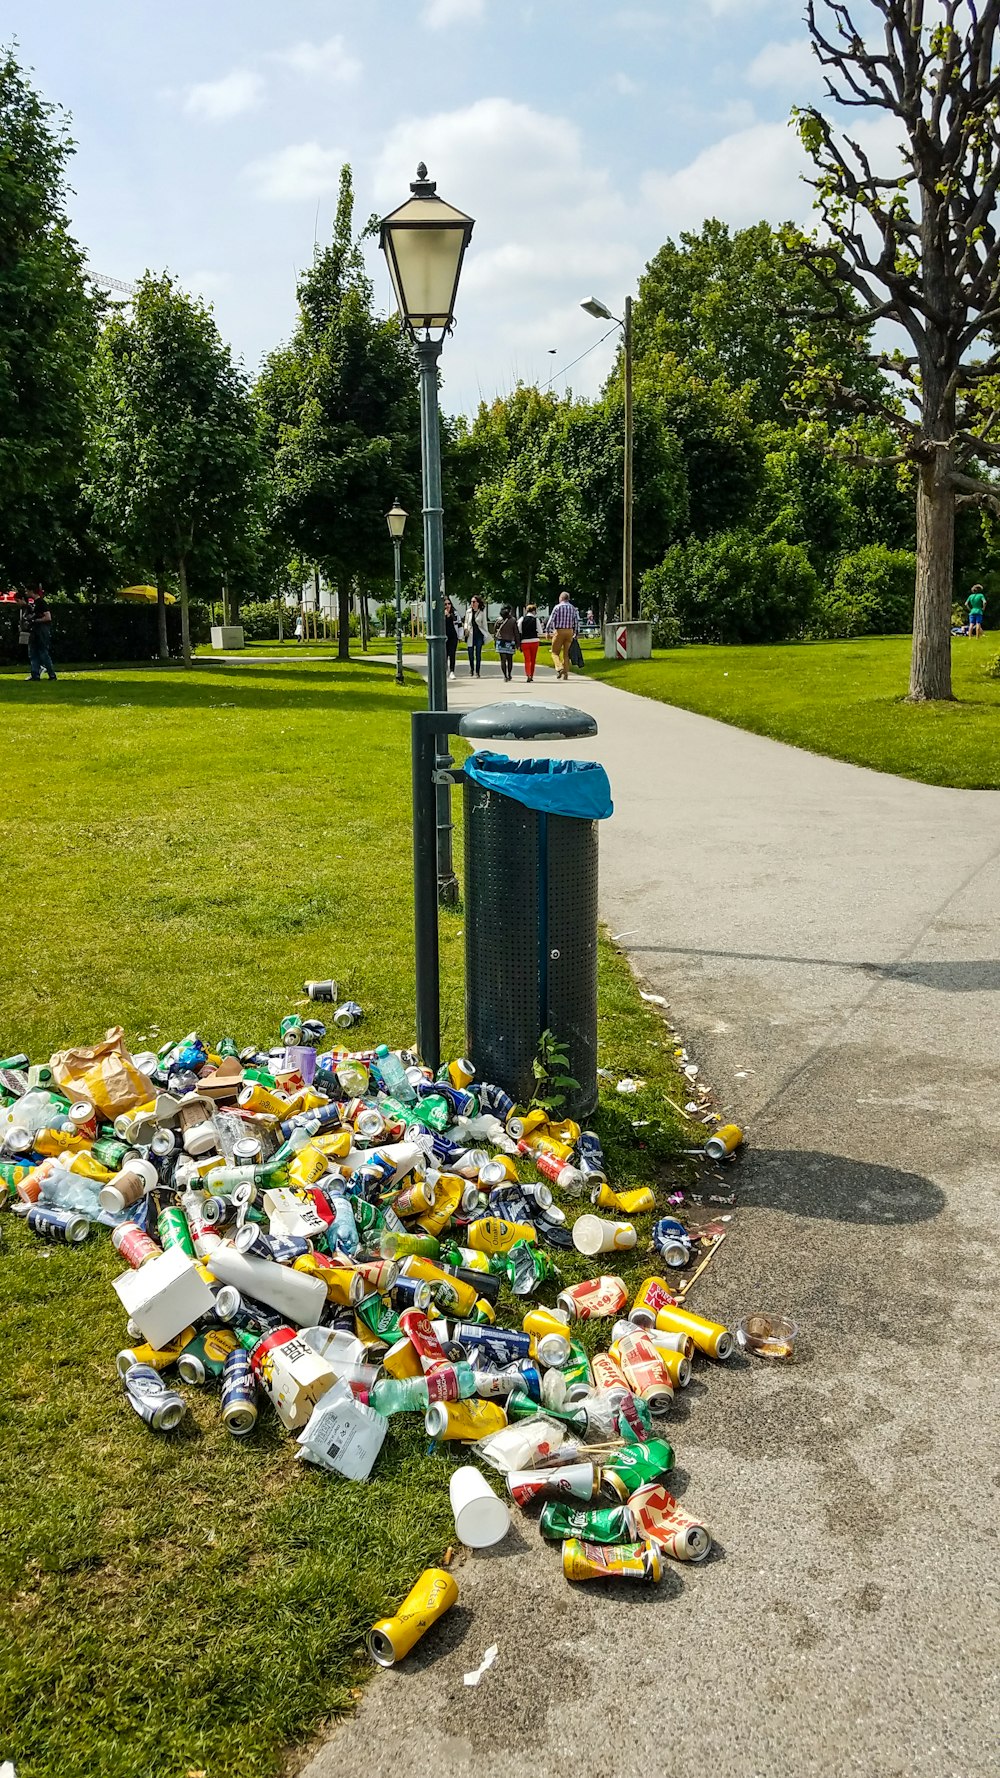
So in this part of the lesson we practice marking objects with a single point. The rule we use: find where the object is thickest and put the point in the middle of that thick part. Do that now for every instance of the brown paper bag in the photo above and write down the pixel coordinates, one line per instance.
(105, 1075)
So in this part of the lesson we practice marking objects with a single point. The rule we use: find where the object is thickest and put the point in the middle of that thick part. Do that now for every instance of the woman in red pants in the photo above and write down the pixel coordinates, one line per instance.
(528, 632)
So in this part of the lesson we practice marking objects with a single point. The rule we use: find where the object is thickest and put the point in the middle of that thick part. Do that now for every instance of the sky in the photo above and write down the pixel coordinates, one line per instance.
(579, 136)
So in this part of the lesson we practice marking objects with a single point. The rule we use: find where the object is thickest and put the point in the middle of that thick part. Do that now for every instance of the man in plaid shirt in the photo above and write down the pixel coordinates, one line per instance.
(563, 625)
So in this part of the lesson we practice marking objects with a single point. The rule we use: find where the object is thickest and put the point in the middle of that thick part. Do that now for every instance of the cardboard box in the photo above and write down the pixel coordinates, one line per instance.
(164, 1296)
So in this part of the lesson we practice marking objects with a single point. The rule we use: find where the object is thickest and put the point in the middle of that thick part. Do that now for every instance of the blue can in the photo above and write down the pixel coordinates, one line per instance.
(672, 1241)
(500, 1345)
(239, 1394)
(58, 1225)
(494, 1100)
(511, 1203)
(410, 1293)
(531, 1381)
(444, 1150)
(589, 1148)
(286, 1248)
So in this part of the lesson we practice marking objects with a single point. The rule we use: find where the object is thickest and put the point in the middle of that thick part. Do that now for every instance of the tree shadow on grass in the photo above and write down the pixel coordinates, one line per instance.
(215, 684)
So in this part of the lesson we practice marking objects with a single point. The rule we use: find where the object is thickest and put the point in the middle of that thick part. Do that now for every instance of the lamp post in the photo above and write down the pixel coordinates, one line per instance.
(424, 243)
(601, 312)
(396, 519)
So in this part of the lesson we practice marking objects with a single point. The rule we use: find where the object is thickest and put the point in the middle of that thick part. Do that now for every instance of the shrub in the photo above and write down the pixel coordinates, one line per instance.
(103, 630)
(871, 595)
(259, 618)
(731, 587)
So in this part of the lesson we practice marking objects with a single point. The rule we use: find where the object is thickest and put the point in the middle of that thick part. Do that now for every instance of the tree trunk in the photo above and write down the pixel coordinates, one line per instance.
(182, 581)
(930, 666)
(162, 645)
(364, 622)
(343, 621)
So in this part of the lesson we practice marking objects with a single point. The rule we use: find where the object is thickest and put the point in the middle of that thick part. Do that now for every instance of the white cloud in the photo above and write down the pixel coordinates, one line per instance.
(438, 14)
(219, 100)
(624, 84)
(783, 65)
(749, 175)
(303, 170)
(331, 60)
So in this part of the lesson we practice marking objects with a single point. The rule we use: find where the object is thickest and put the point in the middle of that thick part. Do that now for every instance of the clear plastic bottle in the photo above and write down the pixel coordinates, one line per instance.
(70, 1191)
(393, 1076)
(402, 1395)
(344, 1229)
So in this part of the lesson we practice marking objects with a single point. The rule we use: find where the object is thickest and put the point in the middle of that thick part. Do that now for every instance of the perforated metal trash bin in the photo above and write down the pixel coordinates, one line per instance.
(530, 930)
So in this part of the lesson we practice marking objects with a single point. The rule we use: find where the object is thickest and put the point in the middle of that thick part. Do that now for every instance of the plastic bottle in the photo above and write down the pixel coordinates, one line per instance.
(401, 1395)
(353, 1077)
(344, 1229)
(393, 1076)
(68, 1191)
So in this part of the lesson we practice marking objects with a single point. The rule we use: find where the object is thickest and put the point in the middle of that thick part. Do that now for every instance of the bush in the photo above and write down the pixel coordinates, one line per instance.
(871, 595)
(259, 618)
(105, 630)
(730, 587)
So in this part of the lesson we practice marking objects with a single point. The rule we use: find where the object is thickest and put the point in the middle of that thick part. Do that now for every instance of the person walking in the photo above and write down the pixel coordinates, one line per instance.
(37, 619)
(451, 636)
(475, 629)
(563, 625)
(505, 637)
(976, 604)
(528, 632)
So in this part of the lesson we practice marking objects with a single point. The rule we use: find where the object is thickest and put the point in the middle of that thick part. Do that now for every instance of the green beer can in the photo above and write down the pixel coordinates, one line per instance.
(596, 1524)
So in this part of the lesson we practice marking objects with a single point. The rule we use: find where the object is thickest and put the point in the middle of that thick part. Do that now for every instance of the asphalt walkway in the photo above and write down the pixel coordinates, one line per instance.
(828, 939)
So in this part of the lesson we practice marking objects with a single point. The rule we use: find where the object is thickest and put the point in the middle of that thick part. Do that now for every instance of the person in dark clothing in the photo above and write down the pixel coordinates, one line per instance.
(475, 628)
(36, 618)
(451, 636)
(505, 636)
(528, 629)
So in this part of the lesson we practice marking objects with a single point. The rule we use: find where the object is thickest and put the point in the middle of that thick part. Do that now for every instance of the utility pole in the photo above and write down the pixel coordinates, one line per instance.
(627, 605)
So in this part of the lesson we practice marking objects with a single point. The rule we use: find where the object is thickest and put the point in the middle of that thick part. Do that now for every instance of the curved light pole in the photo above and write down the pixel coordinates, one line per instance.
(424, 243)
(601, 312)
(396, 519)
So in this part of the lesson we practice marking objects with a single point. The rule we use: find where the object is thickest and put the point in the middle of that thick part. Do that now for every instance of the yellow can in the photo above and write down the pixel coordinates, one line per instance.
(450, 1187)
(465, 1420)
(610, 1561)
(652, 1295)
(308, 1165)
(632, 1203)
(52, 1142)
(160, 1357)
(532, 1121)
(254, 1097)
(401, 1360)
(450, 1293)
(710, 1337)
(461, 1071)
(566, 1131)
(543, 1142)
(343, 1284)
(393, 1637)
(483, 1311)
(676, 1364)
(88, 1168)
(724, 1142)
(334, 1143)
(491, 1234)
(414, 1199)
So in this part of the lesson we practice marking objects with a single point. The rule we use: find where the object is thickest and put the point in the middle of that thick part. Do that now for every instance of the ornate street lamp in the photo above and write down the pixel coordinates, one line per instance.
(396, 519)
(601, 312)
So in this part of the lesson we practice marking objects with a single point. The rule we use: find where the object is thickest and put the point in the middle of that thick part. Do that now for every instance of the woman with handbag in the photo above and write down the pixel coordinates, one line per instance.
(505, 637)
(475, 629)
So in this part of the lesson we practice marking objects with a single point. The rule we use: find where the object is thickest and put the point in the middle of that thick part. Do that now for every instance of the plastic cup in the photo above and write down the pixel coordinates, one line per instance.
(592, 1235)
(481, 1518)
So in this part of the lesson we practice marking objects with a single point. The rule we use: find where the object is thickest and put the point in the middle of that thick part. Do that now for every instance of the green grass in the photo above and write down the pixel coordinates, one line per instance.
(845, 699)
(183, 850)
(321, 648)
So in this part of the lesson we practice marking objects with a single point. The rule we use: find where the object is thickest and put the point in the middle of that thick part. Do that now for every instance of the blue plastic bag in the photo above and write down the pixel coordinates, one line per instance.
(552, 786)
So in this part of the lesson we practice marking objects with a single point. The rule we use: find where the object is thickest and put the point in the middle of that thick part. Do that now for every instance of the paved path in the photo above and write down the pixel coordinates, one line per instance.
(828, 941)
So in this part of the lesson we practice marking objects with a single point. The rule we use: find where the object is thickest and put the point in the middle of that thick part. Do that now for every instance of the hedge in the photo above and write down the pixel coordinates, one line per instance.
(107, 630)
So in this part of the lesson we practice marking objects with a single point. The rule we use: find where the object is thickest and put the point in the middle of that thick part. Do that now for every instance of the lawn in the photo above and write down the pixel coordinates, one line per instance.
(181, 851)
(846, 699)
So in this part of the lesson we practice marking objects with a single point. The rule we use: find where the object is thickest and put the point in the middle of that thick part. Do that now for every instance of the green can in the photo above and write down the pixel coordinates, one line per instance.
(377, 1315)
(597, 1524)
(226, 1049)
(433, 1112)
(11, 1174)
(172, 1228)
(577, 1366)
(521, 1406)
(262, 1076)
(366, 1215)
(291, 1029)
(110, 1152)
(637, 1465)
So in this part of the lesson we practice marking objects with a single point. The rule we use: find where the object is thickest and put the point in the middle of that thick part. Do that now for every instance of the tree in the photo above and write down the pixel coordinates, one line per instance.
(722, 451)
(173, 451)
(920, 247)
(732, 305)
(339, 419)
(48, 324)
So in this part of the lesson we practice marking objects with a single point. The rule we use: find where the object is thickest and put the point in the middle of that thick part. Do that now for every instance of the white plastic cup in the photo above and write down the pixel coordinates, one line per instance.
(592, 1235)
(481, 1518)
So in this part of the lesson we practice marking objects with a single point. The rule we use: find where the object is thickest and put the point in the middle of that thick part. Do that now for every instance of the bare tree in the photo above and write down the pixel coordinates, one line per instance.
(921, 248)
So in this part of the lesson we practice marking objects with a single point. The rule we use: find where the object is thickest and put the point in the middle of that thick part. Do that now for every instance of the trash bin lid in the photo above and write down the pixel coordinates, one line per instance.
(522, 720)
(552, 786)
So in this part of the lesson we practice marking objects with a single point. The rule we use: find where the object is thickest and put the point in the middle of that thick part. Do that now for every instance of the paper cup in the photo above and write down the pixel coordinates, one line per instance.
(481, 1518)
(591, 1234)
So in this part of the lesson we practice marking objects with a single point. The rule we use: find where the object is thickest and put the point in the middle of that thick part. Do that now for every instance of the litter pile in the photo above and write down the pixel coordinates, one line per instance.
(331, 1229)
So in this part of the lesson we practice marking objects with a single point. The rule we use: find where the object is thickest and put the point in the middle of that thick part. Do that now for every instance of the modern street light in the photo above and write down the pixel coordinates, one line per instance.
(601, 312)
(396, 519)
(424, 243)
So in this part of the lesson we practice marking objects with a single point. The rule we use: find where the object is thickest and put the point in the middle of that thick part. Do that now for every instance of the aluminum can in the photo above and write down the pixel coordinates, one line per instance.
(134, 1246)
(393, 1637)
(638, 1464)
(347, 1014)
(461, 1071)
(504, 1345)
(58, 1225)
(575, 1481)
(616, 1561)
(652, 1295)
(465, 1421)
(588, 1147)
(410, 1293)
(657, 1518)
(491, 1234)
(593, 1298)
(629, 1203)
(418, 1197)
(378, 1275)
(645, 1371)
(172, 1228)
(672, 1241)
(726, 1140)
(205, 1356)
(320, 990)
(110, 1152)
(160, 1407)
(595, 1524)
(424, 1340)
(710, 1337)
(494, 1100)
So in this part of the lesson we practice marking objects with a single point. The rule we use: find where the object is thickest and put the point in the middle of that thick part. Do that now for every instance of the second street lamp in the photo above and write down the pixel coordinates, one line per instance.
(396, 519)
(638, 644)
(424, 243)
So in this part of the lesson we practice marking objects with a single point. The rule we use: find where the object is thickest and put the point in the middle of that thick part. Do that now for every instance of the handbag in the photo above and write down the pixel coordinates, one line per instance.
(576, 652)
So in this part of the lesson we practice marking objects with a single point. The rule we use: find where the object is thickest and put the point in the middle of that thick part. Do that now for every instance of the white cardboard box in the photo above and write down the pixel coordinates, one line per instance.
(164, 1296)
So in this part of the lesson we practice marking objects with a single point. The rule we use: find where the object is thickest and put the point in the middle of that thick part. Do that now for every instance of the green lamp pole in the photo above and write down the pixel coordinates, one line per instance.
(396, 519)
(601, 312)
(424, 243)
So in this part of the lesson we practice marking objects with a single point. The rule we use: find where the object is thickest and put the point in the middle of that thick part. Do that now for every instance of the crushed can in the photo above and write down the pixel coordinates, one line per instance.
(393, 1637)
(616, 1561)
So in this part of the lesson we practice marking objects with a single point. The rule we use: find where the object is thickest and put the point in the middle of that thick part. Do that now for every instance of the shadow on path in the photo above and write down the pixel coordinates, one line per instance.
(960, 975)
(805, 1182)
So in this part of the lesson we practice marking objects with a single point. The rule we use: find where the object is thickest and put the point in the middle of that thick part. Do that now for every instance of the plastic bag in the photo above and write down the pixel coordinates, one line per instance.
(105, 1075)
(577, 787)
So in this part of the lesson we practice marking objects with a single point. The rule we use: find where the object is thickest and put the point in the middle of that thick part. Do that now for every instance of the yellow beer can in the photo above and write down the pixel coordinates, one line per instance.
(610, 1561)
(464, 1420)
(401, 1360)
(334, 1143)
(632, 1203)
(491, 1234)
(450, 1293)
(710, 1337)
(393, 1637)
(254, 1097)
(450, 1187)
(461, 1071)
(308, 1165)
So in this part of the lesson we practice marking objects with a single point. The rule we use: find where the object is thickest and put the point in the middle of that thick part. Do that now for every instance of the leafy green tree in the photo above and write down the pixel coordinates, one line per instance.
(731, 587)
(338, 413)
(174, 454)
(721, 446)
(735, 305)
(48, 324)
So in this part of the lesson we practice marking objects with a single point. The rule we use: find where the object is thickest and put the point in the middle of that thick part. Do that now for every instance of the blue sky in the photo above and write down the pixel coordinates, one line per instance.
(579, 135)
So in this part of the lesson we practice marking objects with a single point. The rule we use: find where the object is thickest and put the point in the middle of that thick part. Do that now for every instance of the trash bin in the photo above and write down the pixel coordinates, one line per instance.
(531, 916)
